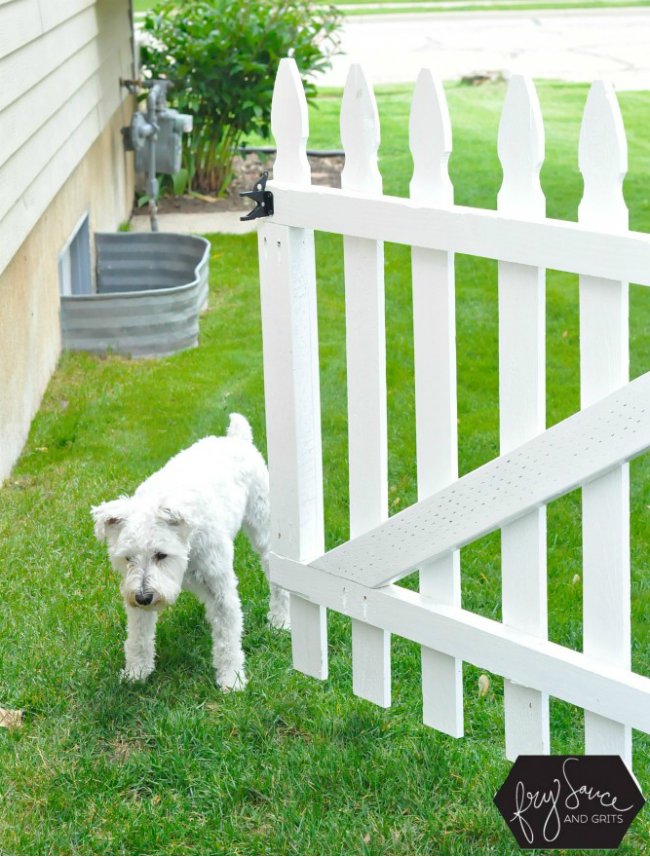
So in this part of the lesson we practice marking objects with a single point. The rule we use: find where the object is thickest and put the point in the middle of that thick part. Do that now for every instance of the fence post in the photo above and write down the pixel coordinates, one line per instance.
(434, 340)
(366, 371)
(522, 407)
(291, 374)
(603, 368)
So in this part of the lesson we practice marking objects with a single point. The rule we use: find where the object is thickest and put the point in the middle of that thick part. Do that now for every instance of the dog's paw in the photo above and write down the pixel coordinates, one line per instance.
(232, 681)
(135, 673)
(279, 621)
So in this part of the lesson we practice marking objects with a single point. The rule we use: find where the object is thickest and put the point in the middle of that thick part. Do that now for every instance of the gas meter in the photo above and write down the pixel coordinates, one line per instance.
(156, 138)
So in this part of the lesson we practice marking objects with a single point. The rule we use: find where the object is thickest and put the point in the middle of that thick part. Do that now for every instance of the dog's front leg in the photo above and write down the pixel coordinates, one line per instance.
(139, 647)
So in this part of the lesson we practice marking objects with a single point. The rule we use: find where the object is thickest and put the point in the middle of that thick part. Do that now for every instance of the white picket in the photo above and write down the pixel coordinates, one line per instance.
(291, 374)
(522, 370)
(603, 368)
(434, 341)
(366, 370)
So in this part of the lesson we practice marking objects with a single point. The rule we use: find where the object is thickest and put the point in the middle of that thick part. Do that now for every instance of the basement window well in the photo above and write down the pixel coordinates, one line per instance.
(143, 296)
(74, 262)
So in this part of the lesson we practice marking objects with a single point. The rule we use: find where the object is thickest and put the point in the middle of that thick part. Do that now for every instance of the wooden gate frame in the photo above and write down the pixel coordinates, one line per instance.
(589, 449)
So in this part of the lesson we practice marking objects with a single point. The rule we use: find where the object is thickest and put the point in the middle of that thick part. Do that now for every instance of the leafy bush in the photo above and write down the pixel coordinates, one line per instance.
(222, 56)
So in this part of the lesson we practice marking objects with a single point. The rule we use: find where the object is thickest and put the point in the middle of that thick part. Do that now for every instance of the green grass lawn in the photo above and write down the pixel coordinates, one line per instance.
(290, 766)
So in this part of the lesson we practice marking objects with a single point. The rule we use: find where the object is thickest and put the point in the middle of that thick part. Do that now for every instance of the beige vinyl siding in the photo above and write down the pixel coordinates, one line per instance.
(60, 65)
(61, 157)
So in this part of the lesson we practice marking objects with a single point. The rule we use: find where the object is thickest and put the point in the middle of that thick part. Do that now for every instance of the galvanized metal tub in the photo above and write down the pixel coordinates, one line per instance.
(150, 289)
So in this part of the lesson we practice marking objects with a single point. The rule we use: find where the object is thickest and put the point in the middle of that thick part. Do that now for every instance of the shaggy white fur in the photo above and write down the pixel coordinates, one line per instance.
(176, 532)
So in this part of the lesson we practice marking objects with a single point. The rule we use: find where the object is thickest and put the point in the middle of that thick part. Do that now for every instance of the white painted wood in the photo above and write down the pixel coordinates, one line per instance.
(520, 147)
(612, 691)
(291, 389)
(522, 394)
(603, 368)
(291, 377)
(290, 126)
(371, 677)
(434, 341)
(571, 453)
(589, 449)
(366, 370)
(430, 143)
(602, 157)
(308, 636)
(557, 244)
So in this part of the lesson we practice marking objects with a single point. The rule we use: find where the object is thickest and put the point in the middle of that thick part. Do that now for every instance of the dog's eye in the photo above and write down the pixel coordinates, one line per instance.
(128, 559)
(159, 557)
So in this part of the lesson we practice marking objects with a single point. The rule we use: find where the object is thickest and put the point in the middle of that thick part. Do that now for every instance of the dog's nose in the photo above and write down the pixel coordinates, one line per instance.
(143, 598)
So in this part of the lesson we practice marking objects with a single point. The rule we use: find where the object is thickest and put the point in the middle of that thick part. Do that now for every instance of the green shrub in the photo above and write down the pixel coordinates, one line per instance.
(222, 56)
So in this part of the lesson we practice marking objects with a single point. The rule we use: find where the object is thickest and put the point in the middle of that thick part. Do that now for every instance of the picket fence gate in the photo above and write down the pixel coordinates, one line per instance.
(590, 449)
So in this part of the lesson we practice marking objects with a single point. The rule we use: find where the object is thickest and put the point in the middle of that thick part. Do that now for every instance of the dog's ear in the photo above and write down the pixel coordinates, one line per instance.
(170, 515)
(110, 514)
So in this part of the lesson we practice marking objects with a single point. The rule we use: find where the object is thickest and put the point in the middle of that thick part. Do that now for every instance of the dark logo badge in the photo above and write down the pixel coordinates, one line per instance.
(569, 801)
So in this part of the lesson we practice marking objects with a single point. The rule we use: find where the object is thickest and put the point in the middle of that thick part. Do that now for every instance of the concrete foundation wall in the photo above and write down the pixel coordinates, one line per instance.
(30, 338)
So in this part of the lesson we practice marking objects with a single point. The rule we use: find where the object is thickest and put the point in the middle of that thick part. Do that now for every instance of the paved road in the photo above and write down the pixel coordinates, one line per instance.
(612, 44)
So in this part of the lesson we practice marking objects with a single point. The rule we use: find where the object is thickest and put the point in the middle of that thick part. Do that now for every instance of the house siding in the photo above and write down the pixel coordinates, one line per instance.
(61, 110)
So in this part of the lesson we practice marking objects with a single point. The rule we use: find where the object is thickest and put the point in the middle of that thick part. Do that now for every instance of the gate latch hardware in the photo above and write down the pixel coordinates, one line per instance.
(262, 198)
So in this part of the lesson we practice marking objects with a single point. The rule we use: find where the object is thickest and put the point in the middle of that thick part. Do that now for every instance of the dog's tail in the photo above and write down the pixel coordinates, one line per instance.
(240, 427)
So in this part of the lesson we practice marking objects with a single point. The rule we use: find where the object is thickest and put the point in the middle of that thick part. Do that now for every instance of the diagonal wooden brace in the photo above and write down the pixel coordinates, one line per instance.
(571, 453)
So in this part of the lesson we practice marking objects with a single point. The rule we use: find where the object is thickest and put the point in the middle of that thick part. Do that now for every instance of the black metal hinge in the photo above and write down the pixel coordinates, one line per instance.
(262, 198)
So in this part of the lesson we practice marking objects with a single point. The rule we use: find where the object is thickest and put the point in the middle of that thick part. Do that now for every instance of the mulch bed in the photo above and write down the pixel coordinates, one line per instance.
(324, 171)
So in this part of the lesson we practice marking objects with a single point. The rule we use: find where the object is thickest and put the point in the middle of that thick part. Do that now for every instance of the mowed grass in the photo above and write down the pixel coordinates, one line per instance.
(291, 766)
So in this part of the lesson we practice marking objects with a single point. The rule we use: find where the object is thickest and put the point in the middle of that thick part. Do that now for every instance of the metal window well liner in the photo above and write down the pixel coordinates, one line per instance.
(150, 289)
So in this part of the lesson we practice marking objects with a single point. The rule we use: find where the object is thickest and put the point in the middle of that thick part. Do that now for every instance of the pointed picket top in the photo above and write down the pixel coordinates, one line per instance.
(521, 151)
(430, 142)
(360, 134)
(603, 160)
(290, 125)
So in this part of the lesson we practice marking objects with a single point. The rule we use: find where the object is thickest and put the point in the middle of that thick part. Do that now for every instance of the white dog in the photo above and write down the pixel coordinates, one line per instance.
(176, 532)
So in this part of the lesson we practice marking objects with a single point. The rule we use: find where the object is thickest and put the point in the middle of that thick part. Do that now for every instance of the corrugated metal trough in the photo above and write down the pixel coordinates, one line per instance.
(150, 289)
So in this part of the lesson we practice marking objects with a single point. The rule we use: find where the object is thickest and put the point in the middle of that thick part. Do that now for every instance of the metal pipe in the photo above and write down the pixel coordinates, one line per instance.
(152, 183)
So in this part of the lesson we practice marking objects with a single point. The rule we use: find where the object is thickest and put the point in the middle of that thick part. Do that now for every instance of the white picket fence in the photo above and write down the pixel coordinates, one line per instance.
(590, 449)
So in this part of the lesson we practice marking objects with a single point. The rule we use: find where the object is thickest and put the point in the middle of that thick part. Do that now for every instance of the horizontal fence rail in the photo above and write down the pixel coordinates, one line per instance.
(612, 692)
(557, 244)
